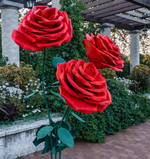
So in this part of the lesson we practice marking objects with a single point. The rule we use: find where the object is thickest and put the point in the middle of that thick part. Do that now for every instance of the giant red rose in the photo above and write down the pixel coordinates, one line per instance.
(43, 27)
(82, 86)
(103, 52)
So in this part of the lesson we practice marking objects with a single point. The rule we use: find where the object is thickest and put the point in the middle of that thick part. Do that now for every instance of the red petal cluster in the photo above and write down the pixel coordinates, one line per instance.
(103, 52)
(82, 86)
(43, 27)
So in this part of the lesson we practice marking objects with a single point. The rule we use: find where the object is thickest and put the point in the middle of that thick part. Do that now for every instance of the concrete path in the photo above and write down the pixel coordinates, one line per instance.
(132, 144)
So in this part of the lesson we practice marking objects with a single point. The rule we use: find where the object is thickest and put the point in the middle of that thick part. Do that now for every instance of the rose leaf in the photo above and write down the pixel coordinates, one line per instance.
(66, 137)
(57, 60)
(44, 131)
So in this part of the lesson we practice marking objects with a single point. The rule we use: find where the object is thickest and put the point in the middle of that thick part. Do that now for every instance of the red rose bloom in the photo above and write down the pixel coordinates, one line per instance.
(103, 52)
(43, 27)
(82, 86)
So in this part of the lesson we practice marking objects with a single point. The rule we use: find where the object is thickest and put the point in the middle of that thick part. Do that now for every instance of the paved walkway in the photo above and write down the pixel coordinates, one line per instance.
(132, 144)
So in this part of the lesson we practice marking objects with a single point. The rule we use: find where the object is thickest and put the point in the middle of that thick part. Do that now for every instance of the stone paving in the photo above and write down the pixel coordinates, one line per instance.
(134, 143)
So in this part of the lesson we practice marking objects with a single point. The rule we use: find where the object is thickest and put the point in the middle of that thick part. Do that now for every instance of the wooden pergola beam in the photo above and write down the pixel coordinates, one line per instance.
(95, 3)
(105, 6)
(44, 1)
(142, 3)
(39, 4)
(142, 26)
(112, 11)
(86, 1)
(132, 18)
(117, 24)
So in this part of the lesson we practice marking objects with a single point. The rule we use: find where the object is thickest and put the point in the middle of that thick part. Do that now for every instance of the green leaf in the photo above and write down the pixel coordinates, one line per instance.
(37, 142)
(80, 119)
(44, 131)
(57, 60)
(40, 128)
(58, 96)
(58, 147)
(75, 131)
(48, 146)
(66, 137)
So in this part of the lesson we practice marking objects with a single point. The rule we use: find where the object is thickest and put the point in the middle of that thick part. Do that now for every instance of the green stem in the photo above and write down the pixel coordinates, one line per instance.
(66, 113)
(51, 155)
(56, 156)
(50, 122)
(59, 154)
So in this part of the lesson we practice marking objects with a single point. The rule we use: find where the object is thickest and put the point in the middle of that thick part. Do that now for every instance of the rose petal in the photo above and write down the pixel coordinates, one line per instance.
(77, 104)
(21, 41)
(92, 53)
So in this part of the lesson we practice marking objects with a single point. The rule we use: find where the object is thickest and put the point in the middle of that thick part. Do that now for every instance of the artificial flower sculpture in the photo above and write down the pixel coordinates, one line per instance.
(43, 27)
(82, 86)
(103, 52)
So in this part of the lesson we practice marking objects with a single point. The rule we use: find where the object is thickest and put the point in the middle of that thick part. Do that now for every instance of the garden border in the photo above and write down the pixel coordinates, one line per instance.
(16, 140)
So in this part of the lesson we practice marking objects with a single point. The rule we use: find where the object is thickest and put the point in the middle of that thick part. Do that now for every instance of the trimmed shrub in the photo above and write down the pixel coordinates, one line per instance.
(141, 74)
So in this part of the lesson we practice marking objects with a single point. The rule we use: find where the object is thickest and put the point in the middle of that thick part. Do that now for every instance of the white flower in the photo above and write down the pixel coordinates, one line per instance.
(17, 86)
(31, 106)
(34, 111)
(38, 79)
(27, 106)
(39, 110)
(30, 80)
(4, 86)
(7, 84)
(23, 115)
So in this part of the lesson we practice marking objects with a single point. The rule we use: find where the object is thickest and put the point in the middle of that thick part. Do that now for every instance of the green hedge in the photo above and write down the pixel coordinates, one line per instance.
(125, 110)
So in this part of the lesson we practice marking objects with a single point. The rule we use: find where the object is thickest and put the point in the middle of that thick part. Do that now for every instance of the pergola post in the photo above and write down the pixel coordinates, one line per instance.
(56, 3)
(107, 29)
(134, 48)
(9, 15)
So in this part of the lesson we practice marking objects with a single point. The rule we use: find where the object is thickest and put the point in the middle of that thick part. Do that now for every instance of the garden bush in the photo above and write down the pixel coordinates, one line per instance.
(3, 61)
(141, 74)
(14, 95)
(108, 73)
(30, 57)
(17, 75)
(126, 109)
